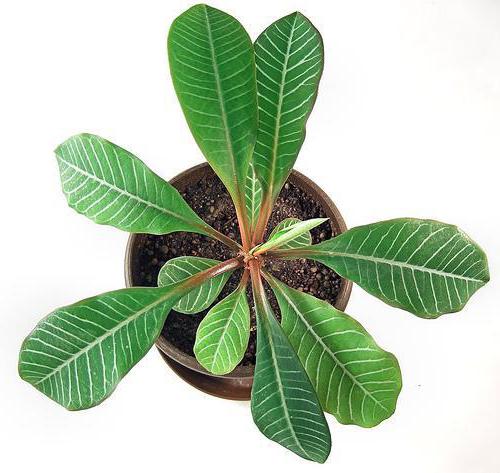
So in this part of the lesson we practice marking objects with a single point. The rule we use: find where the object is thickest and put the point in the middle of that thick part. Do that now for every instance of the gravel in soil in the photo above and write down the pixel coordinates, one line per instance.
(210, 200)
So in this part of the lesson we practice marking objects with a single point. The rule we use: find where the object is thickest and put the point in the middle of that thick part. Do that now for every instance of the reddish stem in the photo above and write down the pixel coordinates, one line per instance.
(264, 214)
(222, 238)
(257, 287)
(244, 227)
(244, 278)
(201, 277)
(295, 253)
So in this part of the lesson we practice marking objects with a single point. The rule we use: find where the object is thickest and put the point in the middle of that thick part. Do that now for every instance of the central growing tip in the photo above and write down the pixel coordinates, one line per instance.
(250, 259)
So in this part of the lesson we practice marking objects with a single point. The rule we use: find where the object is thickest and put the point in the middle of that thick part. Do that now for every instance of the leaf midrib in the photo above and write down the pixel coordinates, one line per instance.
(225, 329)
(253, 197)
(280, 387)
(280, 106)
(325, 347)
(220, 98)
(389, 262)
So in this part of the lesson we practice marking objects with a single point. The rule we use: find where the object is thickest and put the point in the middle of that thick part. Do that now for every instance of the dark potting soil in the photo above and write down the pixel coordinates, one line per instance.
(212, 203)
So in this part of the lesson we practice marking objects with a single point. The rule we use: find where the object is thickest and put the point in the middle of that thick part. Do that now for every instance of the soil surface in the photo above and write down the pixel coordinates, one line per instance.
(212, 203)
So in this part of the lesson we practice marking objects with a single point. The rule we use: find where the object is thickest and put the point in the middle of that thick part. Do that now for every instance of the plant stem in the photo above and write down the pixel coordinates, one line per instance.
(257, 287)
(201, 277)
(260, 227)
(269, 279)
(295, 253)
(243, 225)
(233, 245)
(244, 278)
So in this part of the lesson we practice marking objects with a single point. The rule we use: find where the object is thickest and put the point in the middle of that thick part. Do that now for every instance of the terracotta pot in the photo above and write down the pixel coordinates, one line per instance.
(238, 384)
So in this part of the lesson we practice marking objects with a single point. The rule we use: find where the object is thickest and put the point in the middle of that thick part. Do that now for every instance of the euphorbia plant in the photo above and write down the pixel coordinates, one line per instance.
(247, 106)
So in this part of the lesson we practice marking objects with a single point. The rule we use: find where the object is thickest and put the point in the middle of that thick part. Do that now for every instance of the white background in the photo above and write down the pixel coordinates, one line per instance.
(406, 124)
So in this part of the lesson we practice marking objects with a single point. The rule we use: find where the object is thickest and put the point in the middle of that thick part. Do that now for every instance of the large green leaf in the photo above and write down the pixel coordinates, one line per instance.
(222, 336)
(426, 267)
(284, 405)
(287, 233)
(289, 61)
(253, 196)
(213, 69)
(304, 239)
(111, 186)
(354, 378)
(182, 268)
(79, 353)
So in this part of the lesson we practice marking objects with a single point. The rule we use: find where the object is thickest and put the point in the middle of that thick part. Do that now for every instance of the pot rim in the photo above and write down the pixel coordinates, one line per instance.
(296, 178)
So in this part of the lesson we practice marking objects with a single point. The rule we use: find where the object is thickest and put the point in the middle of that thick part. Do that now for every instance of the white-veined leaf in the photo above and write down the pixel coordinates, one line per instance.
(213, 70)
(183, 267)
(111, 186)
(304, 239)
(222, 336)
(289, 62)
(288, 233)
(79, 353)
(356, 380)
(426, 267)
(284, 405)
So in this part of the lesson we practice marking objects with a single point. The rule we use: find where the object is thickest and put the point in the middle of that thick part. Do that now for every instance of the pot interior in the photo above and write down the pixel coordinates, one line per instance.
(137, 245)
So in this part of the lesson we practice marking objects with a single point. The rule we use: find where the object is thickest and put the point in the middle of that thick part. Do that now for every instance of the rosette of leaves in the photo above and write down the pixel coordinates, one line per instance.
(247, 105)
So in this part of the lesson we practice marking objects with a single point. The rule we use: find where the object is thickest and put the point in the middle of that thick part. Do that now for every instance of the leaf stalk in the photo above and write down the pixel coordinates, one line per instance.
(264, 215)
(209, 273)
(233, 245)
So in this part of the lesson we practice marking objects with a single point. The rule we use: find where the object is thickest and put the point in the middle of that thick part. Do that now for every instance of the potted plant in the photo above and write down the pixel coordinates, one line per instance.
(247, 106)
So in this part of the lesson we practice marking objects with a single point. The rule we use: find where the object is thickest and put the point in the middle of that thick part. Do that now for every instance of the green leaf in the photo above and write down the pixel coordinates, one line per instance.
(79, 353)
(111, 186)
(213, 70)
(253, 196)
(354, 378)
(289, 232)
(304, 239)
(289, 61)
(182, 268)
(284, 405)
(426, 267)
(222, 336)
